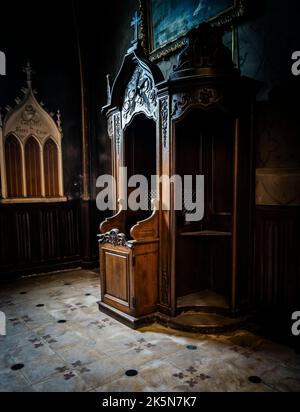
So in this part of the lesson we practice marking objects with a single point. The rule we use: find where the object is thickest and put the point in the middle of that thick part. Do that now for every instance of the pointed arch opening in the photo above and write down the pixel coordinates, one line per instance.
(33, 168)
(51, 170)
(13, 162)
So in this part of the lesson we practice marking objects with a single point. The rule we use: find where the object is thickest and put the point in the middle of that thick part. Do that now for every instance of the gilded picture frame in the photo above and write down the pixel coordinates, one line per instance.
(163, 36)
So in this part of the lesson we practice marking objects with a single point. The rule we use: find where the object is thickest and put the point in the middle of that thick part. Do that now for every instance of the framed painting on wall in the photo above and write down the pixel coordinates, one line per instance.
(165, 22)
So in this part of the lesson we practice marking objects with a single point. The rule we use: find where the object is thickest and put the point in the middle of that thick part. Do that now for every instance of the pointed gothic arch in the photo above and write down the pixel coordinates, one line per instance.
(51, 168)
(13, 166)
(31, 160)
(33, 167)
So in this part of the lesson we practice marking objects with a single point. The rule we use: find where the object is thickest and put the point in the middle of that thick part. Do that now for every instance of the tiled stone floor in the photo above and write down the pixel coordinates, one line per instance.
(91, 351)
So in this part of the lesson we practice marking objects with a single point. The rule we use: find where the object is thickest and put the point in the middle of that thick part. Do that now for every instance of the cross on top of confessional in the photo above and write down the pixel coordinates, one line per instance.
(135, 23)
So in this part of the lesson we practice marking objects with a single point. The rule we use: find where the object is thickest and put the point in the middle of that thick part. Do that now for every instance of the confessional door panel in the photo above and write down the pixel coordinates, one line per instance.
(129, 277)
(116, 277)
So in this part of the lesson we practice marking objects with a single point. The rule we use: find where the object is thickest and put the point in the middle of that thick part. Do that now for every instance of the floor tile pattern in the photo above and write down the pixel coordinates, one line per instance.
(89, 351)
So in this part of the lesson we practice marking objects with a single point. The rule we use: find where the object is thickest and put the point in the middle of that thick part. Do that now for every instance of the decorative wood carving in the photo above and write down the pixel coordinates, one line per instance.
(110, 126)
(278, 186)
(114, 237)
(203, 97)
(167, 50)
(140, 95)
(164, 288)
(118, 131)
(164, 115)
(205, 49)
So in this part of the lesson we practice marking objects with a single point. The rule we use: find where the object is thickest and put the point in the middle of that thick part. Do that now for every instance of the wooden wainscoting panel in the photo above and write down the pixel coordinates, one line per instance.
(39, 237)
(277, 257)
(23, 243)
(49, 233)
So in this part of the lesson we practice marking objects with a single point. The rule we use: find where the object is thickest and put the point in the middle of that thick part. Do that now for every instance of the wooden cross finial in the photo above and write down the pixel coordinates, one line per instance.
(135, 23)
(29, 72)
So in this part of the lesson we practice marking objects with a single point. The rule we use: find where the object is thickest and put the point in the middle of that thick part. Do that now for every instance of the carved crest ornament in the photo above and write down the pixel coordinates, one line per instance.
(140, 95)
(114, 237)
(204, 97)
(164, 114)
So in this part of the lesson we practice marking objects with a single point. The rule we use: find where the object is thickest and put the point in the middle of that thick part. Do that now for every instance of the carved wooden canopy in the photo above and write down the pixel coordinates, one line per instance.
(134, 89)
(205, 76)
(205, 52)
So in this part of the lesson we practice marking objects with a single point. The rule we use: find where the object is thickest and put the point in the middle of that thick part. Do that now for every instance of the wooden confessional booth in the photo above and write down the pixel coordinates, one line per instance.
(157, 264)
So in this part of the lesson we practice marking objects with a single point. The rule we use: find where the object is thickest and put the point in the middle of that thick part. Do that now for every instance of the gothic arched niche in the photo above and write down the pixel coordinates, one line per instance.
(51, 168)
(32, 126)
(13, 162)
(33, 168)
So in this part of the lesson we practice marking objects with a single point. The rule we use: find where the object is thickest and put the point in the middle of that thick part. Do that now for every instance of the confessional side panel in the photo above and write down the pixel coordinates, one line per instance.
(167, 296)
(145, 278)
(115, 265)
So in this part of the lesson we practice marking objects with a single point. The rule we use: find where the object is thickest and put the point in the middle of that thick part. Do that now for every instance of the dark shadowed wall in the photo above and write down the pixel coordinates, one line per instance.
(39, 237)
